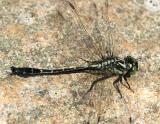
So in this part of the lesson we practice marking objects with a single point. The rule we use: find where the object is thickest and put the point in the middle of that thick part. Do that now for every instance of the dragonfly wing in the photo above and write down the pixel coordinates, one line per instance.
(104, 32)
(77, 36)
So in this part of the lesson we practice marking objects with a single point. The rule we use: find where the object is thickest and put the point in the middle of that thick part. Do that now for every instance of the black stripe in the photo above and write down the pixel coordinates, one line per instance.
(119, 66)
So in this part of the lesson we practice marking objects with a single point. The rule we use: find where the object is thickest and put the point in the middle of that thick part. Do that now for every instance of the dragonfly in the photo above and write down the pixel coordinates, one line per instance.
(107, 64)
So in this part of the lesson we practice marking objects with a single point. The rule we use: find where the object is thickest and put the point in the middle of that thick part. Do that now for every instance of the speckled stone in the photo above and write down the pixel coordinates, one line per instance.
(46, 34)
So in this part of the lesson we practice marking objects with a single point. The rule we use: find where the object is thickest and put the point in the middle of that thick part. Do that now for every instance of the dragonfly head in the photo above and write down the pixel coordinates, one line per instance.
(132, 65)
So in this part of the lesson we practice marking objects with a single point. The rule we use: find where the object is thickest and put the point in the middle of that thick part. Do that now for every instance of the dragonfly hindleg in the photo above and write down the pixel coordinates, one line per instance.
(95, 82)
(115, 84)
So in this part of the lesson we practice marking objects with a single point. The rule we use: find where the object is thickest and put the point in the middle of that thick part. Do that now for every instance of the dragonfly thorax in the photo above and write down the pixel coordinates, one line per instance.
(117, 66)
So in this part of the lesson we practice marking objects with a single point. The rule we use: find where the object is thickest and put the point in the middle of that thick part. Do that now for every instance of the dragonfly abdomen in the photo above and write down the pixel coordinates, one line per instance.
(28, 72)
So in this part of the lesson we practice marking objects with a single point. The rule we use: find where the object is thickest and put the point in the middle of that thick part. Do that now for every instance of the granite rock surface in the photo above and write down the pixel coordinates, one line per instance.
(47, 34)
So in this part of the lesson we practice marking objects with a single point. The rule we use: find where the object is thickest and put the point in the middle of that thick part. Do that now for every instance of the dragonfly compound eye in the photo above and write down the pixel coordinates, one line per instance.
(133, 64)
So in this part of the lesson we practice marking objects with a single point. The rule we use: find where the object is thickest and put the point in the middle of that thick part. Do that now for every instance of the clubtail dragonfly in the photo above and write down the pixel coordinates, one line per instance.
(106, 66)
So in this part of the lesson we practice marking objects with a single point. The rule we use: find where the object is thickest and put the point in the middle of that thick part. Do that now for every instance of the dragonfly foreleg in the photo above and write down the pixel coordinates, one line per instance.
(128, 86)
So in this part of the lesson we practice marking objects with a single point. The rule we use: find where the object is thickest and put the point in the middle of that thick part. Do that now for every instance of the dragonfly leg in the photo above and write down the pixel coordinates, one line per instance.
(115, 84)
(128, 86)
(95, 82)
(120, 80)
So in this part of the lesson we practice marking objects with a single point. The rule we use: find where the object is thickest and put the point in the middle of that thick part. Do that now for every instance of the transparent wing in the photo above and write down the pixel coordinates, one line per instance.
(86, 45)
(105, 33)
(97, 45)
